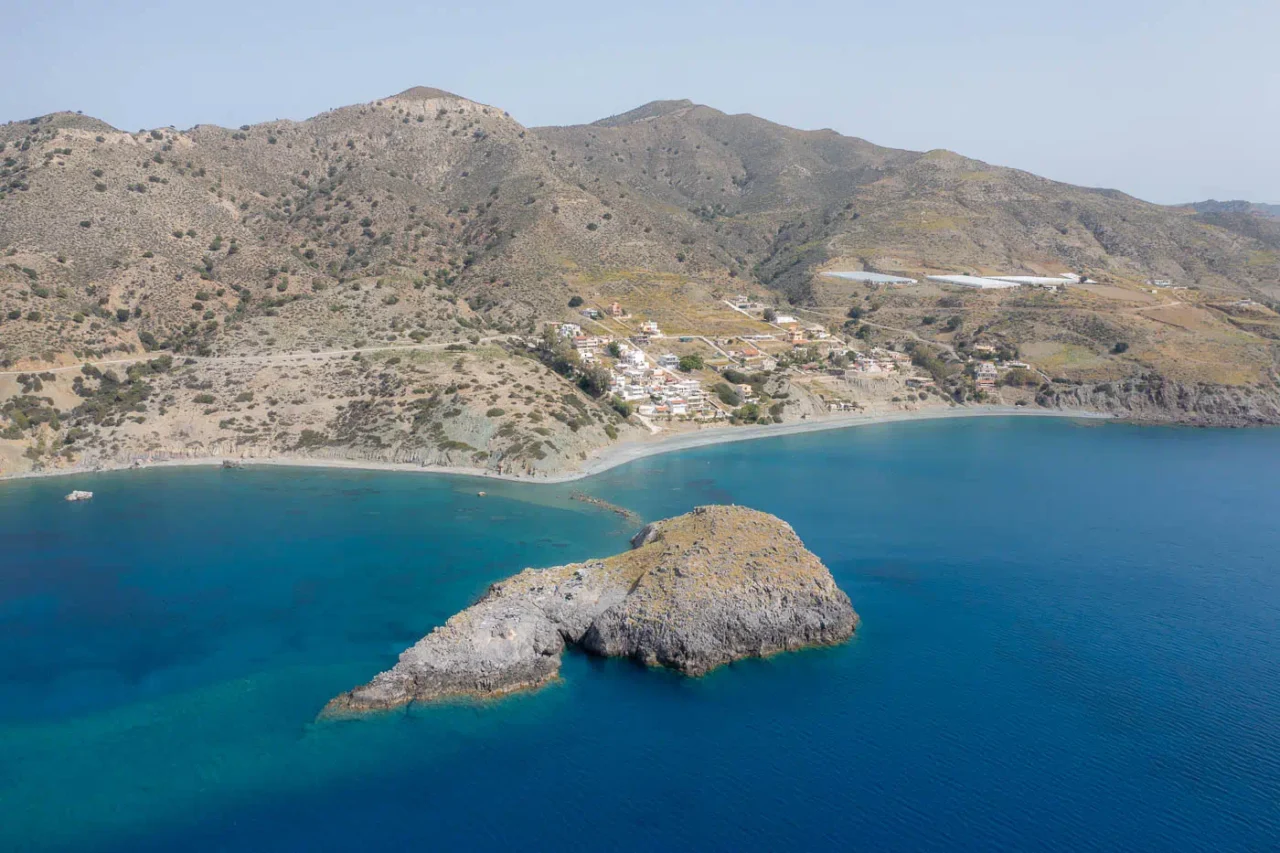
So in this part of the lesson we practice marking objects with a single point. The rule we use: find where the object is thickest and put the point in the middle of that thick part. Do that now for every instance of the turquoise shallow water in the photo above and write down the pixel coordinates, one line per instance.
(1070, 642)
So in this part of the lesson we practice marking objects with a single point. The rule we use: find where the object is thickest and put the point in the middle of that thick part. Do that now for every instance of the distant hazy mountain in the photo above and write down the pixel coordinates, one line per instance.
(1237, 206)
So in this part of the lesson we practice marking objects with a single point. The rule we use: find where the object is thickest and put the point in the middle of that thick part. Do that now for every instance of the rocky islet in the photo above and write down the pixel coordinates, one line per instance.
(715, 585)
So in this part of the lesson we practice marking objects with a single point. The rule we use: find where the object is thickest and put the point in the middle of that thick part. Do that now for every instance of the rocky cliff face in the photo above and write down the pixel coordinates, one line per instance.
(1153, 399)
(704, 589)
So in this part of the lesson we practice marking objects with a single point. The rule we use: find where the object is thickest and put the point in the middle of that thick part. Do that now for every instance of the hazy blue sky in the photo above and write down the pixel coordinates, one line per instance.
(1170, 100)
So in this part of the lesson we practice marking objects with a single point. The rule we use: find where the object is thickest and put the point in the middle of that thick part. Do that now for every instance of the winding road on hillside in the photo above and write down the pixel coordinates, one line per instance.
(274, 358)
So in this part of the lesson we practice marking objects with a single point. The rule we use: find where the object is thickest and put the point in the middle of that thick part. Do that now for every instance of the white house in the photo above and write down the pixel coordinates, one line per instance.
(690, 389)
(669, 360)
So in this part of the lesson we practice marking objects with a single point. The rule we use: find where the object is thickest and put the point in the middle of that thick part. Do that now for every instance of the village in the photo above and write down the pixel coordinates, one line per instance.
(704, 376)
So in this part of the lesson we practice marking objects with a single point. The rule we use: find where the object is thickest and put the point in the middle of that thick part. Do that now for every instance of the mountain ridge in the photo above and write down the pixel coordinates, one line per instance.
(428, 218)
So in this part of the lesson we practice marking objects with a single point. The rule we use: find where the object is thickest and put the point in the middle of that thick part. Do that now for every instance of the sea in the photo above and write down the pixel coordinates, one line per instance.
(1070, 641)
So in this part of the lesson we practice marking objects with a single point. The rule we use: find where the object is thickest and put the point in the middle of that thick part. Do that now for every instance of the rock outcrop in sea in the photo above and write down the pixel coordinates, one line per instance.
(695, 592)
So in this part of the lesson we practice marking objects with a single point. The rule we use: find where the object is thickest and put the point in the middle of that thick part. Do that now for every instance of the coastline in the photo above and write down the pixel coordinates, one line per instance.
(608, 457)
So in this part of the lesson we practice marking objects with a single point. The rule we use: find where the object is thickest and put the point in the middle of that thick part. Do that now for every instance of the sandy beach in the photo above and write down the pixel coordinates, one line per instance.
(609, 457)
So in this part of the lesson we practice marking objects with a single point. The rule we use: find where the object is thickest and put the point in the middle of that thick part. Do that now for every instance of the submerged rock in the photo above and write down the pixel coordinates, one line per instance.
(79, 496)
(697, 591)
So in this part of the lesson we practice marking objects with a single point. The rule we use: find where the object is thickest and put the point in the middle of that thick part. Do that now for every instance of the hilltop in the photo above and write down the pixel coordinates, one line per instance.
(425, 220)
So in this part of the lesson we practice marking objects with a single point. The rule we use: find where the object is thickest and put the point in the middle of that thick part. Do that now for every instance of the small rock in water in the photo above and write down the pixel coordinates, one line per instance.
(79, 496)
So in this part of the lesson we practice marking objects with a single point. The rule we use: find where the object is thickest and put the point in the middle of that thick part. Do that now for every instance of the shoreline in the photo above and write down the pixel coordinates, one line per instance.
(607, 458)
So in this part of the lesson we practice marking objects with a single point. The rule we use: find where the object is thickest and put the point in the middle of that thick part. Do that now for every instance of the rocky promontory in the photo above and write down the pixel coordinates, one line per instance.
(695, 592)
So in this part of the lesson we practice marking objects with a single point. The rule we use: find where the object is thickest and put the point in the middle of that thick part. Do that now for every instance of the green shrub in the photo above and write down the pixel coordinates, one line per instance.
(727, 394)
(621, 406)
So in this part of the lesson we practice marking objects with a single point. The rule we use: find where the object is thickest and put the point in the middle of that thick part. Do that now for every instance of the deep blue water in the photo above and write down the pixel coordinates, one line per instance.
(1071, 641)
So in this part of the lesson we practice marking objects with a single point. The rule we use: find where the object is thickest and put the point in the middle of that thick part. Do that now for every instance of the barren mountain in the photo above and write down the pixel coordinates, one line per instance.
(792, 201)
(426, 220)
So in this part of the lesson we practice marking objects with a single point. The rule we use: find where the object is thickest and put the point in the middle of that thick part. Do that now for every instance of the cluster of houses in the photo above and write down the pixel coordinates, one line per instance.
(989, 369)
(657, 388)
(878, 361)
